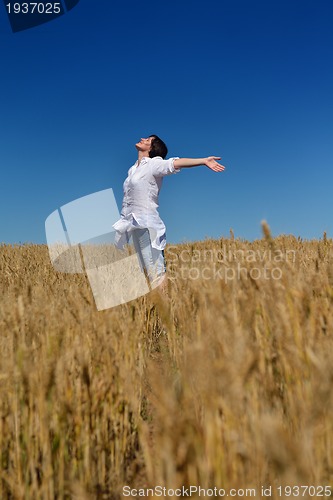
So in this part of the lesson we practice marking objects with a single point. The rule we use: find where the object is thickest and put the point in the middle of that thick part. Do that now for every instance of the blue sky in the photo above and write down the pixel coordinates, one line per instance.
(249, 81)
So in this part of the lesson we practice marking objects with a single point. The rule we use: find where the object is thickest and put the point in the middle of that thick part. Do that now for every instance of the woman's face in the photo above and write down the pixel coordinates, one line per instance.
(144, 145)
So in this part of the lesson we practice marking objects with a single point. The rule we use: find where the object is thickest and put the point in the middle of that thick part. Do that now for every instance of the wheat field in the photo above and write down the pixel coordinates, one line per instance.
(226, 382)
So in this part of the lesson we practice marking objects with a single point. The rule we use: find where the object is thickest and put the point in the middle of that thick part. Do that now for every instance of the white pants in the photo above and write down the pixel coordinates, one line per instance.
(150, 259)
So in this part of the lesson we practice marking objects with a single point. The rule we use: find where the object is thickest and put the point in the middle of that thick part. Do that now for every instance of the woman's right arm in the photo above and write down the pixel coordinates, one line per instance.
(209, 161)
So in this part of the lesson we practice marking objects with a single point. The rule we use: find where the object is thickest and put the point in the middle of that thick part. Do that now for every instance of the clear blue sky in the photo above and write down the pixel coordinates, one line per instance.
(249, 81)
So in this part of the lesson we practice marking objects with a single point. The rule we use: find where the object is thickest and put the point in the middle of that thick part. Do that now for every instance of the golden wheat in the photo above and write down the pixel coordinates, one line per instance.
(224, 383)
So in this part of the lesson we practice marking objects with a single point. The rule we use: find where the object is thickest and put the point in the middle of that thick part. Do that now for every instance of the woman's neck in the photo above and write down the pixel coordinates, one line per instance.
(142, 154)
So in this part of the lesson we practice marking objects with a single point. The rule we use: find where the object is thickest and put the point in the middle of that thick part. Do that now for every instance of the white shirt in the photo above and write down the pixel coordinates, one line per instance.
(140, 203)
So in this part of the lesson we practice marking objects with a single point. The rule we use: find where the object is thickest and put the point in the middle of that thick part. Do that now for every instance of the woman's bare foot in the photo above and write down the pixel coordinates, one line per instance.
(161, 285)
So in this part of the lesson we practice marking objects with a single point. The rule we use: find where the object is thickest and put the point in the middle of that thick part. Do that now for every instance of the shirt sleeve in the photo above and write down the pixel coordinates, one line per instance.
(161, 167)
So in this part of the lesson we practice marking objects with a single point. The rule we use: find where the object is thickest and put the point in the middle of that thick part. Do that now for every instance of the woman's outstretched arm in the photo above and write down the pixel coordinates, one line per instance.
(209, 161)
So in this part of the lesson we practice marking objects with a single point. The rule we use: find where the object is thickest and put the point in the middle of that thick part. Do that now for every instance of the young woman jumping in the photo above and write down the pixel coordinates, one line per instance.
(139, 214)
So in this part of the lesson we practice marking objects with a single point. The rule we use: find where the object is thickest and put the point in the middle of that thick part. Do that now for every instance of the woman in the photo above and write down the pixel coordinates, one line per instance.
(139, 215)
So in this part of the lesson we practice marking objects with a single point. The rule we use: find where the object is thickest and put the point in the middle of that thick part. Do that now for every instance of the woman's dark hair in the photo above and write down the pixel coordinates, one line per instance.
(158, 148)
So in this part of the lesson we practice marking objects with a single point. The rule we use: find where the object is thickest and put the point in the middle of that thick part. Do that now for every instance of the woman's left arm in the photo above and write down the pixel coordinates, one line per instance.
(209, 161)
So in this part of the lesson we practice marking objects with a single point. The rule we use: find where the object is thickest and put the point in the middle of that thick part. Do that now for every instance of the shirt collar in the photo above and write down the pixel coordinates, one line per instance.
(146, 158)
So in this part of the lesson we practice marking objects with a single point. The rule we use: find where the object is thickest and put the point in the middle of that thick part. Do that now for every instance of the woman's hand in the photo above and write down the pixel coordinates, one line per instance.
(211, 163)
